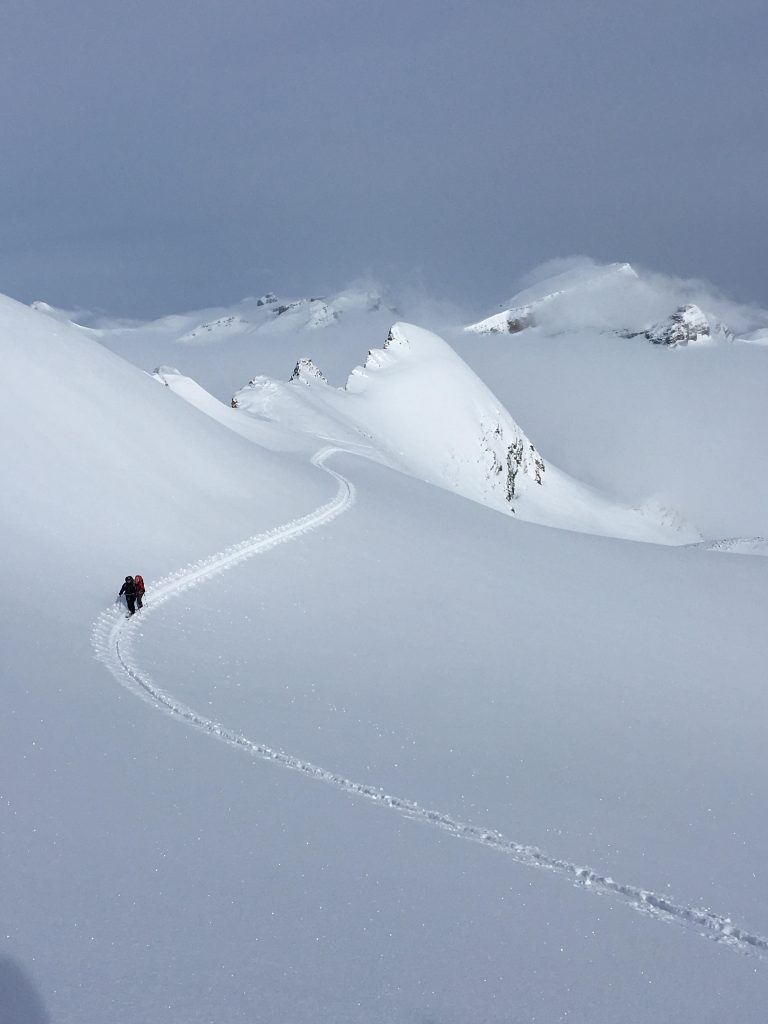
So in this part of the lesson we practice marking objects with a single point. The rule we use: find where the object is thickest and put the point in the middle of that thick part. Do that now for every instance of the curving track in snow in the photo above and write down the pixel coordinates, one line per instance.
(112, 642)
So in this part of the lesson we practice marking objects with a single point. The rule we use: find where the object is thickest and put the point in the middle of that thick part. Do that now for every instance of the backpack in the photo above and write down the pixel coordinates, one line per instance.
(139, 583)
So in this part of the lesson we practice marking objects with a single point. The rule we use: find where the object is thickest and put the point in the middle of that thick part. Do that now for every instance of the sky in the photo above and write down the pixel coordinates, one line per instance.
(167, 156)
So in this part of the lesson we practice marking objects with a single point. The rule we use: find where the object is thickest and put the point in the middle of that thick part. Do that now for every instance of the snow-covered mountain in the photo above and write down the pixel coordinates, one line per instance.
(527, 306)
(267, 314)
(270, 315)
(220, 347)
(420, 408)
(357, 708)
(617, 298)
(424, 411)
(688, 325)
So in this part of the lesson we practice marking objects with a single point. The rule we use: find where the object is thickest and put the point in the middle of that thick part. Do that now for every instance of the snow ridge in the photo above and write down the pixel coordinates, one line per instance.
(112, 640)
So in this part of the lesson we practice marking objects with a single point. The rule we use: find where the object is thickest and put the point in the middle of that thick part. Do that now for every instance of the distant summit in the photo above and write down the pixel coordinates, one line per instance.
(269, 314)
(307, 373)
(687, 325)
(525, 308)
(616, 299)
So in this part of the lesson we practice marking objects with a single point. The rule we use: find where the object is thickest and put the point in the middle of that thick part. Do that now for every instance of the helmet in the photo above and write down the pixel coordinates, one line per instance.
(128, 579)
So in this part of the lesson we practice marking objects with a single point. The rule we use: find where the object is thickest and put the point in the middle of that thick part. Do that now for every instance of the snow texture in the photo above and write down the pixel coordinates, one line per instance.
(112, 636)
(494, 707)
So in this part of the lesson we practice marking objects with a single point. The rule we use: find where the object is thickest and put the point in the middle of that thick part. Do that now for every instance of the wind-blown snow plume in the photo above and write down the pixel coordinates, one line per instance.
(619, 298)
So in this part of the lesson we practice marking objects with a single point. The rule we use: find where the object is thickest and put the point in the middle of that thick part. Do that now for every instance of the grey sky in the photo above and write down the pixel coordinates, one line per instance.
(167, 154)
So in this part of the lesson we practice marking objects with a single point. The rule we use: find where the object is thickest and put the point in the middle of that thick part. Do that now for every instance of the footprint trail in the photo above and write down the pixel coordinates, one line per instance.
(112, 639)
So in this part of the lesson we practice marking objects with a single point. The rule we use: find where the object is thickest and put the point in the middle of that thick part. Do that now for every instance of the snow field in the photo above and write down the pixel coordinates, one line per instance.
(112, 641)
(597, 700)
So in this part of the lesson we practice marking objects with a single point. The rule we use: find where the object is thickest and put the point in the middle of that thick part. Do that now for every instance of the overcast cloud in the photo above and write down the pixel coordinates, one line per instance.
(163, 154)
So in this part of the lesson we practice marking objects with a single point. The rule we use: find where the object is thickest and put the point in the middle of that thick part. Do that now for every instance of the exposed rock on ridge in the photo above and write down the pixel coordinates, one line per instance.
(306, 372)
(687, 325)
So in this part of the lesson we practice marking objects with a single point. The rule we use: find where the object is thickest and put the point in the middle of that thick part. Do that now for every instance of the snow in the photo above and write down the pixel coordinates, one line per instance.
(372, 751)
(618, 298)
(427, 414)
(526, 306)
(757, 337)
(682, 429)
(222, 347)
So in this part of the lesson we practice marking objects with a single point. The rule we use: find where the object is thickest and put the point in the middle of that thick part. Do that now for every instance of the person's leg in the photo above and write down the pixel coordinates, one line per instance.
(131, 603)
(139, 600)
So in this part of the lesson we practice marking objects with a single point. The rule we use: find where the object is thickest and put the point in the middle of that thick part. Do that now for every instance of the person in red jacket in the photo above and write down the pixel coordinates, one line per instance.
(138, 582)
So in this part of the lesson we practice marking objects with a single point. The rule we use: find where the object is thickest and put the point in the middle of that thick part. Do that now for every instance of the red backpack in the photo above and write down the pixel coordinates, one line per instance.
(139, 581)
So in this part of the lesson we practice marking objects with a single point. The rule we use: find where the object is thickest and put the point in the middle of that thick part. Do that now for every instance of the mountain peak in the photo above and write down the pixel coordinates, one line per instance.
(525, 306)
(687, 325)
(306, 372)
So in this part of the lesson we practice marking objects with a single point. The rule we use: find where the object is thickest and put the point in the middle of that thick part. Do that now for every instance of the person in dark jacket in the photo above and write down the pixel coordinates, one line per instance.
(129, 589)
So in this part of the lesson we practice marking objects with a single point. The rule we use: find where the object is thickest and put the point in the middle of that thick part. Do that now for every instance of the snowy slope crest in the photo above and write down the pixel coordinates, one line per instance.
(618, 298)
(420, 408)
(303, 405)
(442, 423)
(416, 406)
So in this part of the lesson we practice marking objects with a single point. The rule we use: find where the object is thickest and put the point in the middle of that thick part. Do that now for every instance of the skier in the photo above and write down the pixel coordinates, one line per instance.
(129, 589)
(138, 582)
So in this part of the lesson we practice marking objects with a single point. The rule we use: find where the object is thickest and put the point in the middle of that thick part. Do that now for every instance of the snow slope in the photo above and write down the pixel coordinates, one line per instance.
(78, 421)
(677, 439)
(549, 690)
(421, 407)
(680, 428)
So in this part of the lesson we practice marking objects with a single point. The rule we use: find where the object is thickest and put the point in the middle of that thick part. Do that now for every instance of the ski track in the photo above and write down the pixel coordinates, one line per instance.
(112, 642)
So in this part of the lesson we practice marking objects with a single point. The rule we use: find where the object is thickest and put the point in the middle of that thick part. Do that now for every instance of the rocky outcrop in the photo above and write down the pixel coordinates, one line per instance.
(687, 325)
(258, 384)
(377, 358)
(306, 372)
(511, 321)
(508, 453)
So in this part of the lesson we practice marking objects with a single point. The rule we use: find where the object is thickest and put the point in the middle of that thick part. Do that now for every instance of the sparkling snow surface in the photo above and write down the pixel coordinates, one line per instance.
(375, 752)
